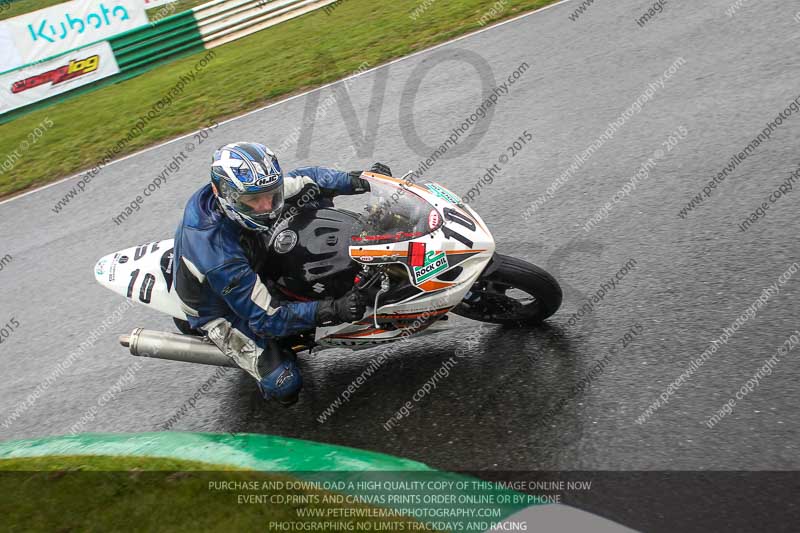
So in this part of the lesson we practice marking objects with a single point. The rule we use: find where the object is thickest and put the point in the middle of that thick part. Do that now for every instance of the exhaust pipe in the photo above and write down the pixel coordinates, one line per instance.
(174, 347)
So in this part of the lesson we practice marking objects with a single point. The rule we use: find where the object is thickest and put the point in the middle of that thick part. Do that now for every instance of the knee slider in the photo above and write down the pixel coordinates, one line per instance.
(280, 376)
(283, 383)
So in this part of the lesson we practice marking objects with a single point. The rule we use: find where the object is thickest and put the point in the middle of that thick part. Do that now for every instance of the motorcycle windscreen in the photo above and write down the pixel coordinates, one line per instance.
(394, 214)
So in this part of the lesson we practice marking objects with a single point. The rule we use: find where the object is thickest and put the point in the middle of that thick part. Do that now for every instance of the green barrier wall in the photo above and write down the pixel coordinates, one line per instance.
(145, 47)
(440, 496)
(257, 452)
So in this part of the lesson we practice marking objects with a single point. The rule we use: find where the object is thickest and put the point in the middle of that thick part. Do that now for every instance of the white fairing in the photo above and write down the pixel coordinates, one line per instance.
(143, 274)
(470, 250)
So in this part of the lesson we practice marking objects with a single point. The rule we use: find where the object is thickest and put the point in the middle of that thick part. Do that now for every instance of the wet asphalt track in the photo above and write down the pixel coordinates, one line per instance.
(692, 277)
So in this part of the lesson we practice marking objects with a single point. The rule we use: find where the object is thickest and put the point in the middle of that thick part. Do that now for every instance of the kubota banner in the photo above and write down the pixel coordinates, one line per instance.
(22, 87)
(45, 33)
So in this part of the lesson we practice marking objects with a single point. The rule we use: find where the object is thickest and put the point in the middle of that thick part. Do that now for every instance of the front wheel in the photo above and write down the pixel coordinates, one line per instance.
(511, 292)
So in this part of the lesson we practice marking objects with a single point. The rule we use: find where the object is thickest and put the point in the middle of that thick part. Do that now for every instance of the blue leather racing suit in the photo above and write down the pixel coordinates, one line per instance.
(220, 292)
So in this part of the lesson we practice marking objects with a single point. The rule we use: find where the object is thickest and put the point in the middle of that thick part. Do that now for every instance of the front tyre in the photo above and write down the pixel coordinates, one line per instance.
(511, 292)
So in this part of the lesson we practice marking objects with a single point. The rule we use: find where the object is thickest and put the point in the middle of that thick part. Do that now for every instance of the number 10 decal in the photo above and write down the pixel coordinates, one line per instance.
(146, 291)
(459, 218)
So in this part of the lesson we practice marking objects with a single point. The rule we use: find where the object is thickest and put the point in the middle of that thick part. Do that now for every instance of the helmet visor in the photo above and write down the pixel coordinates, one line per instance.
(260, 206)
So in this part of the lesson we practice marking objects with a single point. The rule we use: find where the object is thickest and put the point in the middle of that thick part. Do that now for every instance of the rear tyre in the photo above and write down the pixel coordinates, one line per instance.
(511, 292)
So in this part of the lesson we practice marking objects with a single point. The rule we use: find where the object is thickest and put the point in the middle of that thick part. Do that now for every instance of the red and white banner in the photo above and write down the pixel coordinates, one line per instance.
(26, 86)
(51, 31)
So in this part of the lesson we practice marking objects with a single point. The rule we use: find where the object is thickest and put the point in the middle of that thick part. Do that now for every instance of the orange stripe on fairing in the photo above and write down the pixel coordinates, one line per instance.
(398, 253)
(360, 334)
(432, 285)
(378, 253)
(417, 315)
(407, 316)
(459, 252)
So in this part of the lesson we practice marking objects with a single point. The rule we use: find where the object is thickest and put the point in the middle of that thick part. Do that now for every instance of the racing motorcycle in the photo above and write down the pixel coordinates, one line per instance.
(415, 249)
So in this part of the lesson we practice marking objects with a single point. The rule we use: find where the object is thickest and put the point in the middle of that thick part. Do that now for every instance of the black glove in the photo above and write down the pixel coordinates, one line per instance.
(359, 185)
(348, 308)
(380, 168)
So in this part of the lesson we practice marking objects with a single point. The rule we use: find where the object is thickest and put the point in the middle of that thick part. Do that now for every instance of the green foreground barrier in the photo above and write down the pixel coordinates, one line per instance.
(295, 485)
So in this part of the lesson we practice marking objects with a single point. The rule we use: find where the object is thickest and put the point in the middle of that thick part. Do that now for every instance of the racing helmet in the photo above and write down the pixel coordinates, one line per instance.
(248, 183)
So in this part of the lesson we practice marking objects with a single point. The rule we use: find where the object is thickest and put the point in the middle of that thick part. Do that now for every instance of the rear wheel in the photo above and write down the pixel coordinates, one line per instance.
(511, 292)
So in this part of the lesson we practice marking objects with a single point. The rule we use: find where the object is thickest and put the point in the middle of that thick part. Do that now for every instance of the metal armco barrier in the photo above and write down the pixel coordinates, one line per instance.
(223, 21)
(203, 27)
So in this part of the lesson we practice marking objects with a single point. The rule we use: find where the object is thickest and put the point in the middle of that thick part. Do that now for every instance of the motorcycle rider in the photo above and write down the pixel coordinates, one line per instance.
(217, 253)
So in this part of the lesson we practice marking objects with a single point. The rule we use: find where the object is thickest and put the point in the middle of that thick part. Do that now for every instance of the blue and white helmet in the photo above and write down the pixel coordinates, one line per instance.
(248, 182)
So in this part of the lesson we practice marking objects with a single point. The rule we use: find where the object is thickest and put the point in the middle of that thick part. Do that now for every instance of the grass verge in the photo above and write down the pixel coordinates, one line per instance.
(100, 493)
(15, 8)
(303, 53)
